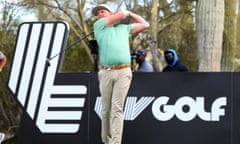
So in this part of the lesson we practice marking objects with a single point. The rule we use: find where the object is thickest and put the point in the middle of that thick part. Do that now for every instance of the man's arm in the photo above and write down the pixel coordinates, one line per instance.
(140, 23)
(116, 18)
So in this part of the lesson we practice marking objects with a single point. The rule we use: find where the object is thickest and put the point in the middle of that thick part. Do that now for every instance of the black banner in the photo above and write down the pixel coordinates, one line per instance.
(169, 108)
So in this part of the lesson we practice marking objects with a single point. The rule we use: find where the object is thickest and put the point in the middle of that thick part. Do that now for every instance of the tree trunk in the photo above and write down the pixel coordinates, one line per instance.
(153, 38)
(230, 35)
(210, 25)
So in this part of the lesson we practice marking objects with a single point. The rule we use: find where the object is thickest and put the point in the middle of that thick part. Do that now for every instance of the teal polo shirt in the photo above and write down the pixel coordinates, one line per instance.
(113, 42)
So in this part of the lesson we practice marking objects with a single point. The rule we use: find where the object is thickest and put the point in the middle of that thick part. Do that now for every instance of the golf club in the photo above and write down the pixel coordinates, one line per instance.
(48, 60)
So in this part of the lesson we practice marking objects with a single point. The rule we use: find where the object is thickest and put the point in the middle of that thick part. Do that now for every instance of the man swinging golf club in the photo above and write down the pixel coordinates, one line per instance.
(115, 73)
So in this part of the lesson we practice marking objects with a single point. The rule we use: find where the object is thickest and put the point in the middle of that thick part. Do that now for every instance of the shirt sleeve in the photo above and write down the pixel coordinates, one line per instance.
(99, 25)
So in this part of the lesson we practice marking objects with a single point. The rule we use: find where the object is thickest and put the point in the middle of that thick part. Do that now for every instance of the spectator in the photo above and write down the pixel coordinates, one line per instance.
(143, 64)
(173, 64)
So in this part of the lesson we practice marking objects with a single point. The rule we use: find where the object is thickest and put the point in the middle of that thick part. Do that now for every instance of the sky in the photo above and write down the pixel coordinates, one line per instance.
(25, 16)
(22, 15)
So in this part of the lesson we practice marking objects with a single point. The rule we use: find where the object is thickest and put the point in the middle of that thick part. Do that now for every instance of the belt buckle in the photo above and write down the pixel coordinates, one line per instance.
(108, 68)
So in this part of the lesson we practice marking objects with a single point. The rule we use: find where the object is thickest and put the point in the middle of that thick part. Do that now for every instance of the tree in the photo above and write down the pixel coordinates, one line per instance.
(75, 14)
(210, 24)
(230, 36)
(176, 30)
(9, 111)
(169, 31)
(153, 38)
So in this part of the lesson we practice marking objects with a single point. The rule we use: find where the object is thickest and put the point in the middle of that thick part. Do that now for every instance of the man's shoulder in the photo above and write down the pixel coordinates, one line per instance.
(182, 67)
(181, 64)
(165, 69)
(99, 22)
(147, 64)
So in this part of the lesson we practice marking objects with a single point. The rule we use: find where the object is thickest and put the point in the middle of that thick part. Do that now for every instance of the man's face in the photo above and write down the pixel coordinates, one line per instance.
(103, 13)
(140, 59)
(169, 57)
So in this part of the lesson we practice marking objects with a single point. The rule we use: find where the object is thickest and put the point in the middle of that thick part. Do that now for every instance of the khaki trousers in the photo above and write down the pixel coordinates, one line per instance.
(114, 86)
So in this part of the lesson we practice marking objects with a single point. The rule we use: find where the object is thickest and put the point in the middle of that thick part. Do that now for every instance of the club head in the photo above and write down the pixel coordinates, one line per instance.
(2, 136)
(48, 62)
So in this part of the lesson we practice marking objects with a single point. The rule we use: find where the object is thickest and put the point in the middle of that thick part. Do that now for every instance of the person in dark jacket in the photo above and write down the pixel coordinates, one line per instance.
(172, 61)
(143, 64)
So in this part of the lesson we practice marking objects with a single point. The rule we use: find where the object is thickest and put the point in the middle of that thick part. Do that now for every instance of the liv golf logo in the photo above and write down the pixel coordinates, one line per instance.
(31, 80)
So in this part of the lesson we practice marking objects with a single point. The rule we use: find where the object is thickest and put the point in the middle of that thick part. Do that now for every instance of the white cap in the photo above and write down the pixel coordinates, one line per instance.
(101, 6)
